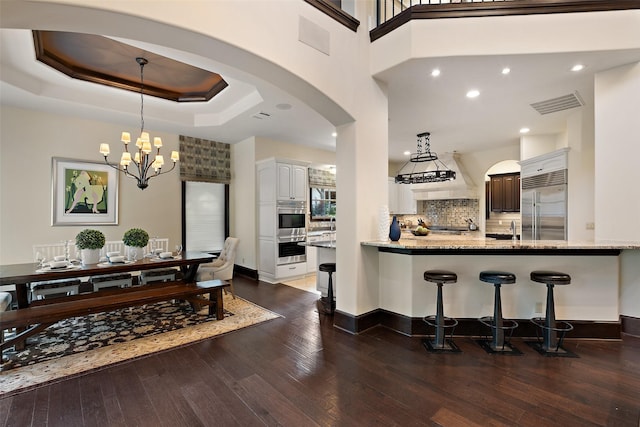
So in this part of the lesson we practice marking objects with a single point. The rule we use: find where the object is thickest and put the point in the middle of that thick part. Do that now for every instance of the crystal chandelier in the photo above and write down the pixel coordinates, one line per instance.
(409, 175)
(142, 164)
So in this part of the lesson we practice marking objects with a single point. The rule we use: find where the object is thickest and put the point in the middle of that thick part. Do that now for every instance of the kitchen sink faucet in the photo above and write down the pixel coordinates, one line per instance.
(514, 236)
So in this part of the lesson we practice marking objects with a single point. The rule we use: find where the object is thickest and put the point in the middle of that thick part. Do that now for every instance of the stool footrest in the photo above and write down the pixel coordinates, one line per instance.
(448, 321)
(540, 322)
(489, 321)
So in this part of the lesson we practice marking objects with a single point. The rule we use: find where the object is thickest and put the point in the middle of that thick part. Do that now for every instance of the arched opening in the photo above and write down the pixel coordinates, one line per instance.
(502, 200)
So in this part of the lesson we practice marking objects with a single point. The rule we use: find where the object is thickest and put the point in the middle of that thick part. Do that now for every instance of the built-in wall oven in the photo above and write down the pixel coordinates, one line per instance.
(291, 232)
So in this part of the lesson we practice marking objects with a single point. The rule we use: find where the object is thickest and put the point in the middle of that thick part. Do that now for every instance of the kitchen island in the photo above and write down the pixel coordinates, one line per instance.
(591, 301)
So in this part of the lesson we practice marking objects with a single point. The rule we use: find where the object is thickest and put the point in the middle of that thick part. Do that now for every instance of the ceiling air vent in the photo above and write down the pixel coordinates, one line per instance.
(261, 115)
(561, 103)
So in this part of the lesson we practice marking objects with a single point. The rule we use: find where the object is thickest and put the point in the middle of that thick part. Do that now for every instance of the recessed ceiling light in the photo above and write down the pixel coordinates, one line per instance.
(435, 72)
(473, 93)
(334, 134)
(506, 70)
(407, 153)
(524, 130)
(577, 67)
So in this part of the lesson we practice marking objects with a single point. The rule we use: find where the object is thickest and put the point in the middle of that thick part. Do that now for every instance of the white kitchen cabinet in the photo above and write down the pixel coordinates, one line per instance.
(393, 196)
(312, 259)
(291, 270)
(401, 199)
(292, 182)
(545, 163)
(277, 180)
(406, 203)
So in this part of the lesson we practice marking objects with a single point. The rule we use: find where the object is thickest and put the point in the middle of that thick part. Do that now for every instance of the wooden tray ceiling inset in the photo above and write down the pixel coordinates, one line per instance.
(101, 60)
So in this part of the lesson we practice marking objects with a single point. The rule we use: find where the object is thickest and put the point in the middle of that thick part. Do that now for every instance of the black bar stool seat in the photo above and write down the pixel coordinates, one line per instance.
(329, 304)
(551, 344)
(499, 325)
(439, 344)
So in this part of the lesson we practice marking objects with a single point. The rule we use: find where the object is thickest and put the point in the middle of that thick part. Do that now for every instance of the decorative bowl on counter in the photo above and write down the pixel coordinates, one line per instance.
(421, 232)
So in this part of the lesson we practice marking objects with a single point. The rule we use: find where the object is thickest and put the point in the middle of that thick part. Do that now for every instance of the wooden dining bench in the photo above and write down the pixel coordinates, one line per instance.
(42, 314)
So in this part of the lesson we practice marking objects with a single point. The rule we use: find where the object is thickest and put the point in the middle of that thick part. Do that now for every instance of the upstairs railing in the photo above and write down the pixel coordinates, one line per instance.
(388, 9)
(391, 14)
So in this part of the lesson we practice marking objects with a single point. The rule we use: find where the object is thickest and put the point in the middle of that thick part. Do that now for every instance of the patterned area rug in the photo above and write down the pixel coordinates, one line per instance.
(83, 344)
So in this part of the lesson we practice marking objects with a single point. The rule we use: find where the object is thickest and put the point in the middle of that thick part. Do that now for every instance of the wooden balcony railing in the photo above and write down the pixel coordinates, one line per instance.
(394, 13)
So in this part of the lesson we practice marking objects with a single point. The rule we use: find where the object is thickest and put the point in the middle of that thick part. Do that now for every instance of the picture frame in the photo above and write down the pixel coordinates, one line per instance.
(83, 192)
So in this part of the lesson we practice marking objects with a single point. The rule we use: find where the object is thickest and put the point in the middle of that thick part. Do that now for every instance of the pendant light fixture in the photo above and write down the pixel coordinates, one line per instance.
(142, 164)
(427, 164)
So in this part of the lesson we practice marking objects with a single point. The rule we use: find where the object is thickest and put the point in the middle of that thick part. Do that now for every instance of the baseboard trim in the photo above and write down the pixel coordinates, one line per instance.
(630, 325)
(246, 272)
(415, 326)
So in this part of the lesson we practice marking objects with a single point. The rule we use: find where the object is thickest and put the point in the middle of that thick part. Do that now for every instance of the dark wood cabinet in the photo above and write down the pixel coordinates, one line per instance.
(505, 192)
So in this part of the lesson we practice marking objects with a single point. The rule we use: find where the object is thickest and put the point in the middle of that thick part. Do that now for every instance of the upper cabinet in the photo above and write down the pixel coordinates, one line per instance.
(279, 179)
(545, 163)
(505, 192)
(401, 201)
(292, 182)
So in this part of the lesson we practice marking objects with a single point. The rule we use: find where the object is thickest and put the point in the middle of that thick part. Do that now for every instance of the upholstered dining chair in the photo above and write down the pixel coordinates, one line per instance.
(222, 267)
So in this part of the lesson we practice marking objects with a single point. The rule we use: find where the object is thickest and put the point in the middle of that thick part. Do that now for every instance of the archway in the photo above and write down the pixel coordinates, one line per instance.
(502, 199)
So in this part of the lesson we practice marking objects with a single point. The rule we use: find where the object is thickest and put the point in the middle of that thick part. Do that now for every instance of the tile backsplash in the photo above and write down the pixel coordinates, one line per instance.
(446, 213)
(451, 212)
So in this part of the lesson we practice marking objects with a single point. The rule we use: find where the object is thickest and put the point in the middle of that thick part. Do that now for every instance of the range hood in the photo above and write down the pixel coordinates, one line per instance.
(462, 187)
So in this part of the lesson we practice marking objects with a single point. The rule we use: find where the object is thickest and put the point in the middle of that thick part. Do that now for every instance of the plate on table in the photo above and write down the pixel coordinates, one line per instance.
(111, 264)
(49, 269)
(158, 259)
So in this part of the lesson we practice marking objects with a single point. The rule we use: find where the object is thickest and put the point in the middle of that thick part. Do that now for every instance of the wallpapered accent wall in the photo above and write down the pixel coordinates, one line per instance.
(204, 160)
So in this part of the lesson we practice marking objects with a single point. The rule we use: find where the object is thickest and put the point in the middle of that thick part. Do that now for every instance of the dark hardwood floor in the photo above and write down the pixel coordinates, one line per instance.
(300, 371)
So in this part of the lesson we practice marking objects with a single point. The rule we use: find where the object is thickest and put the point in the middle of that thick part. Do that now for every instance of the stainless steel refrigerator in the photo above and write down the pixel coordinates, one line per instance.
(544, 206)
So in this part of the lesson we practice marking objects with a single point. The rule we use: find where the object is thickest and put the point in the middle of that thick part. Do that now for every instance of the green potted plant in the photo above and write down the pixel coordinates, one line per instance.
(90, 242)
(135, 239)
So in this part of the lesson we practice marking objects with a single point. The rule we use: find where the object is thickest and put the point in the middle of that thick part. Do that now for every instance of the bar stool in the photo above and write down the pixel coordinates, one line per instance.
(551, 345)
(329, 267)
(439, 321)
(499, 325)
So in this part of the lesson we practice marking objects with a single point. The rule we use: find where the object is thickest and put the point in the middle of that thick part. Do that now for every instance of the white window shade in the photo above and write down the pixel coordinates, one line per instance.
(204, 216)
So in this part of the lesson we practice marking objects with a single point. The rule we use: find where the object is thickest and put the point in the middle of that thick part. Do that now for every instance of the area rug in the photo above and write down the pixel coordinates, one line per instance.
(84, 344)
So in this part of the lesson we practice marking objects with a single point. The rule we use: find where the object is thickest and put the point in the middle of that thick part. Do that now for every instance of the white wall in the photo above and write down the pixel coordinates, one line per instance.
(617, 154)
(617, 172)
(29, 140)
(242, 194)
(266, 148)
(580, 194)
(536, 145)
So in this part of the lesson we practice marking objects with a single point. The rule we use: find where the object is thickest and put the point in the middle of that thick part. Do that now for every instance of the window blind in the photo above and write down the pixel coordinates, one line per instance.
(205, 161)
(321, 178)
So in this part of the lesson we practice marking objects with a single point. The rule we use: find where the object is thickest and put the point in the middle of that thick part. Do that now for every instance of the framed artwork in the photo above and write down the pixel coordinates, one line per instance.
(83, 193)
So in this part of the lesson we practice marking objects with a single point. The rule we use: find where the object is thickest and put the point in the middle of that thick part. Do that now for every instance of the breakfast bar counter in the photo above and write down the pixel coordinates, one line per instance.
(593, 296)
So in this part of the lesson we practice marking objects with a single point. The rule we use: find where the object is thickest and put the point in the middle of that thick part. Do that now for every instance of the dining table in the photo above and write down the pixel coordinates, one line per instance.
(22, 275)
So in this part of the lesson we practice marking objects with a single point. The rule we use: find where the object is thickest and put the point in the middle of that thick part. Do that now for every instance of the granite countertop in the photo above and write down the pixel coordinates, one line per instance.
(465, 242)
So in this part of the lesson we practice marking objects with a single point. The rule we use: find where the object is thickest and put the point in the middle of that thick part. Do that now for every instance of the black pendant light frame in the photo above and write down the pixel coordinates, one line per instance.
(420, 156)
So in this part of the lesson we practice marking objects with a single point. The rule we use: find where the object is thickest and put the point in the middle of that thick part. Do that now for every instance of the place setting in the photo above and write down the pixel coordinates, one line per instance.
(114, 258)
(160, 255)
(59, 263)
